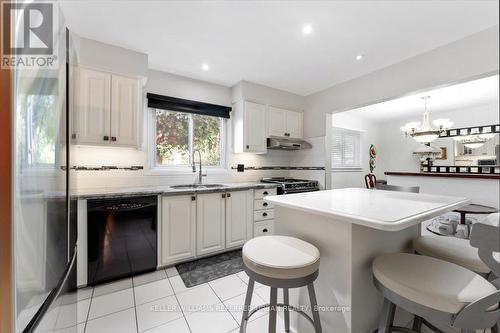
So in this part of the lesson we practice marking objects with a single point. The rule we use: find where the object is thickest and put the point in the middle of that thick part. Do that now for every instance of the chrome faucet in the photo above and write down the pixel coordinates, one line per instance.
(193, 165)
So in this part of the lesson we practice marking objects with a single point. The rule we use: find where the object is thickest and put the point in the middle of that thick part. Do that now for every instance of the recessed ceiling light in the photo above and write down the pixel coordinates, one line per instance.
(359, 57)
(205, 67)
(307, 29)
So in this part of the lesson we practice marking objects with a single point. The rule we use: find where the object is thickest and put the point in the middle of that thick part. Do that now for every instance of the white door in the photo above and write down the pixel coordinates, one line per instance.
(210, 223)
(125, 110)
(238, 216)
(277, 121)
(178, 228)
(92, 107)
(255, 128)
(294, 124)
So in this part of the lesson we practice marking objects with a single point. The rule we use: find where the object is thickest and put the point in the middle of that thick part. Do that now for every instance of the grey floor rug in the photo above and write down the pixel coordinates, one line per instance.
(207, 269)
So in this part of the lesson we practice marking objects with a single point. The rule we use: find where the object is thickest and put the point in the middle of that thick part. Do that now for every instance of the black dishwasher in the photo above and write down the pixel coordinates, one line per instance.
(122, 237)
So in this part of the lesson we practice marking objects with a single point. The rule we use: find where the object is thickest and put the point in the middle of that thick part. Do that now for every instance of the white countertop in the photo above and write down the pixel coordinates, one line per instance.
(383, 210)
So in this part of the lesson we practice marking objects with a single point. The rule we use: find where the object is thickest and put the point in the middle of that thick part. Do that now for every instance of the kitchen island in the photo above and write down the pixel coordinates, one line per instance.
(350, 227)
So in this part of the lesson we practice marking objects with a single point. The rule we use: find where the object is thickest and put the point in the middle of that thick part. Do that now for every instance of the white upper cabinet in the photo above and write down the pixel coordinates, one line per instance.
(92, 104)
(277, 121)
(284, 123)
(106, 109)
(249, 127)
(125, 106)
(294, 124)
(210, 223)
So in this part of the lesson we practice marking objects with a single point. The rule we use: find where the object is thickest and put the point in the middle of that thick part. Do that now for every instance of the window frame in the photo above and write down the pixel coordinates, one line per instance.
(155, 169)
(359, 153)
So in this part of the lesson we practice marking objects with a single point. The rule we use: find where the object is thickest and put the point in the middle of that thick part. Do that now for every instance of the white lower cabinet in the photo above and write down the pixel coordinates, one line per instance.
(194, 226)
(238, 218)
(210, 223)
(178, 229)
(263, 214)
(263, 228)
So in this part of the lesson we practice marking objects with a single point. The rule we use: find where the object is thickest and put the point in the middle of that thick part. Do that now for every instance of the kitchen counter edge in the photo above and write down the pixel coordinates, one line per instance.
(167, 191)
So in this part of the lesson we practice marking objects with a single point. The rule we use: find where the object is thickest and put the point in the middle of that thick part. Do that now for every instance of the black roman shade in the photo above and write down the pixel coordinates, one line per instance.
(186, 105)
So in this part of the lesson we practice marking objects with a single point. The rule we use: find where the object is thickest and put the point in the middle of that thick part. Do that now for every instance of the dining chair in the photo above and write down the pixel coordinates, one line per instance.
(370, 180)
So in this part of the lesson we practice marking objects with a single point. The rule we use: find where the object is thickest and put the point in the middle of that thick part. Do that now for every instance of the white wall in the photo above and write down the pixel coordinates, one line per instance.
(267, 95)
(370, 135)
(398, 149)
(109, 57)
(455, 62)
(168, 84)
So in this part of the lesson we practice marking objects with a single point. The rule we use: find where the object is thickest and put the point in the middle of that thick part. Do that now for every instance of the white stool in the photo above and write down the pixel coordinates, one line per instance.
(452, 249)
(438, 290)
(456, 250)
(280, 262)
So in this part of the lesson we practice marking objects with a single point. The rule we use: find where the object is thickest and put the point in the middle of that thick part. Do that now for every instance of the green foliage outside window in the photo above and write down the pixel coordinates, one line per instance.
(178, 134)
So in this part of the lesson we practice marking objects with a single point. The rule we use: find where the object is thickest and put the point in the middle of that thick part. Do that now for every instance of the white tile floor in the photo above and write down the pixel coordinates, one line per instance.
(160, 302)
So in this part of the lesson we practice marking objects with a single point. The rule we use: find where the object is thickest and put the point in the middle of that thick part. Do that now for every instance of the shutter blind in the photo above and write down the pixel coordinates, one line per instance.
(346, 149)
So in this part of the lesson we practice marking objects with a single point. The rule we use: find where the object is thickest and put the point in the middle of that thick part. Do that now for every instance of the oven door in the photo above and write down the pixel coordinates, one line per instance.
(298, 190)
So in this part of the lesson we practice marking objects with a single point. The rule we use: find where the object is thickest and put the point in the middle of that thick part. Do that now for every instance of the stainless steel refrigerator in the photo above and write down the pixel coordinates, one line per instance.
(44, 223)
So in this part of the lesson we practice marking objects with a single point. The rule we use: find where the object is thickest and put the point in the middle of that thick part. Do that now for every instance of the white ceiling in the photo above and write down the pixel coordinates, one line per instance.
(262, 41)
(464, 95)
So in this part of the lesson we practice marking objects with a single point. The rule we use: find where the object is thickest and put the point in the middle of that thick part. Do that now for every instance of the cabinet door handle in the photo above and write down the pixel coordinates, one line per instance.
(73, 136)
(264, 214)
(265, 193)
(264, 230)
(265, 204)
(106, 138)
(113, 138)
(248, 147)
(193, 198)
(228, 195)
(223, 195)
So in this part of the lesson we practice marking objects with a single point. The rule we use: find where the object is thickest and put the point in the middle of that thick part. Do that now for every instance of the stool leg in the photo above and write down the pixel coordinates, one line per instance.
(417, 324)
(248, 301)
(272, 310)
(314, 308)
(386, 317)
(286, 300)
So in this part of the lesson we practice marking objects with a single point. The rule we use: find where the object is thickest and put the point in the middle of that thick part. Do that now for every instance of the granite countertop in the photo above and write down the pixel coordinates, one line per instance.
(101, 193)
(378, 209)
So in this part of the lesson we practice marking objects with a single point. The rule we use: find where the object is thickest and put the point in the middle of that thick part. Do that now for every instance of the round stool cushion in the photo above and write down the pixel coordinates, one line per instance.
(430, 282)
(452, 249)
(280, 257)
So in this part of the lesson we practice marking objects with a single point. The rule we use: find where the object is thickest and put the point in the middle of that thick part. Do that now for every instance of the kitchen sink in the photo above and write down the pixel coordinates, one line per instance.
(195, 186)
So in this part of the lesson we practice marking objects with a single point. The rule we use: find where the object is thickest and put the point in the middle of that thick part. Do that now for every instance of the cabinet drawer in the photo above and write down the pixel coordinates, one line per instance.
(259, 194)
(260, 215)
(263, 228)
(261, 204)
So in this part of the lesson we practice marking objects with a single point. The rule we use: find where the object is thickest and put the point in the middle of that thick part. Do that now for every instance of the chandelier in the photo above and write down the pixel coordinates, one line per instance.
(425, 133)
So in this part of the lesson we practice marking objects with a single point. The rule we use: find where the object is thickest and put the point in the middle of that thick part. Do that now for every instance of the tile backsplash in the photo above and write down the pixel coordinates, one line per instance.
(124, 157)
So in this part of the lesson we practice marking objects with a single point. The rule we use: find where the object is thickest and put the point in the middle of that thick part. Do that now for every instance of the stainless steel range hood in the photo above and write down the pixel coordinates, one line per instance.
(287, 144)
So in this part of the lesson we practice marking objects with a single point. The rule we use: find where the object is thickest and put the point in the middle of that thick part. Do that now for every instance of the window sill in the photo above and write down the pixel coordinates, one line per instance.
(347, 169)
(185, 171)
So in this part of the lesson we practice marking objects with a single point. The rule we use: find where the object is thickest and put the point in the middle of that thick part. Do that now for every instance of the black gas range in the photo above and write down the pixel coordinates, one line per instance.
(291, 185)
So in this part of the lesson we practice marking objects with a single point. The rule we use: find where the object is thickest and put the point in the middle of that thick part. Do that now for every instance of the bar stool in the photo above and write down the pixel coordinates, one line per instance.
(280, 262)
(458, 251)
(440, 291)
